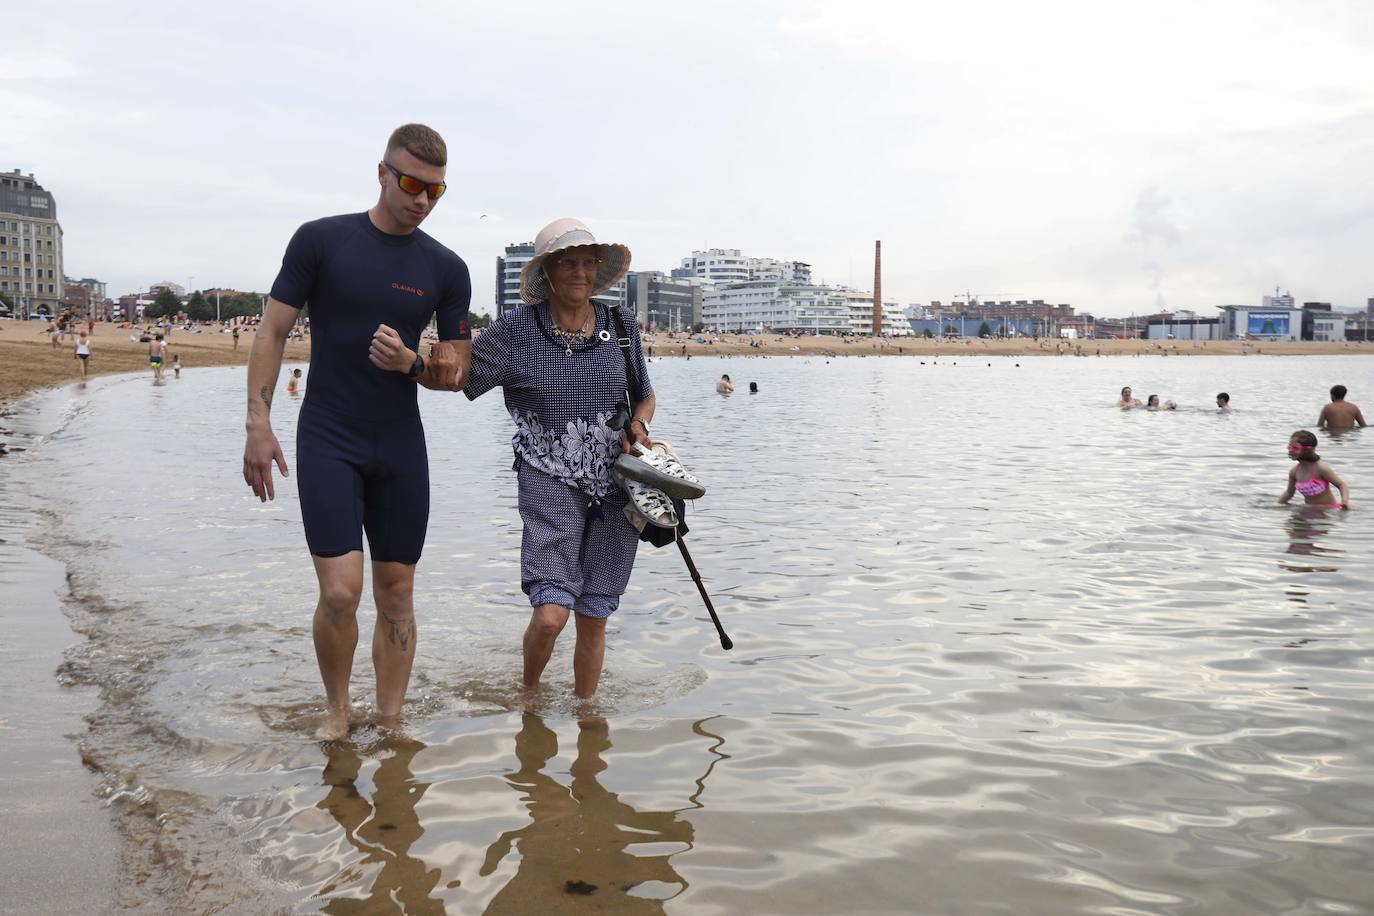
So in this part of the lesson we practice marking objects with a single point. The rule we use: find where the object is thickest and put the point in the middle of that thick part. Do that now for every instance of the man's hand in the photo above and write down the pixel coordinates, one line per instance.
(389, 352)
(259, 452)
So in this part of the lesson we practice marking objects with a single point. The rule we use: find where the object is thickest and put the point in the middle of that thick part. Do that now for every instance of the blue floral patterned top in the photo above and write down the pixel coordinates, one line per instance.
(560, 403)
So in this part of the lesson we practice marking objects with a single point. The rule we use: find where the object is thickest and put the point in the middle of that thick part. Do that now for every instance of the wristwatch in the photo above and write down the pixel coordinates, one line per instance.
(417, 367)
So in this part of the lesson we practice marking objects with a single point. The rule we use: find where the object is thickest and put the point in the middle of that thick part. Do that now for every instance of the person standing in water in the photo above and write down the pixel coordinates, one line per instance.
(1311, 477)
(157, 351)
(1340, 413)
(1224, 402)
(82, 351)
(373, 281)
(1127, 400)
(725, 386)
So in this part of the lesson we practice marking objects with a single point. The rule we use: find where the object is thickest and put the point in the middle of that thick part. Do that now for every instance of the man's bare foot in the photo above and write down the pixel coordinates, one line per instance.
(527, 699)
(334, 727)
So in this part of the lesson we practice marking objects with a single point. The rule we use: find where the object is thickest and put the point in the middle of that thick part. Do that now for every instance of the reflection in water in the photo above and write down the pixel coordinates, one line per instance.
(579, 842)
(583, 848)
(1305, 525)
(383, 830)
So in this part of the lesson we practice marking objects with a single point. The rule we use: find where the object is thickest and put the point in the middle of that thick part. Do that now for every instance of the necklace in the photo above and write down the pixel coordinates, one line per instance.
(580, 335)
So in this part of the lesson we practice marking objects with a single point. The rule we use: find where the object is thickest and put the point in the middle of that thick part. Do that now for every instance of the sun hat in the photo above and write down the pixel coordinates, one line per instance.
(569, 232)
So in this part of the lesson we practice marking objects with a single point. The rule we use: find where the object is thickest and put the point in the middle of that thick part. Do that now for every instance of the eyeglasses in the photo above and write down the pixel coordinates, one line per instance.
(575, 263)
(412, 185)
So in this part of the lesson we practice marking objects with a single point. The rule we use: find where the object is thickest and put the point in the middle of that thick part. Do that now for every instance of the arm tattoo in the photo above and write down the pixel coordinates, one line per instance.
(265, 393)
(399, 632)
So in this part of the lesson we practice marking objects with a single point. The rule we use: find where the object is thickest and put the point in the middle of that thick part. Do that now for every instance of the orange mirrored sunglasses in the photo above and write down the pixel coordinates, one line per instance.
(412, 185)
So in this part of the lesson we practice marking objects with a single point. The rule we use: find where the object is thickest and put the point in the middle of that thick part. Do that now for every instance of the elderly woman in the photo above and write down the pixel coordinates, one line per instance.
(562, 371)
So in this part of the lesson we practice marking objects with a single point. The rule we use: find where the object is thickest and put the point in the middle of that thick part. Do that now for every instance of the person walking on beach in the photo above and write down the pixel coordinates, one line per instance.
(176, 365)
(82, 351)
(373, 282)
(235, 332)
(157, 349)
(1310, 476)
(564, 380)
(1340, 413)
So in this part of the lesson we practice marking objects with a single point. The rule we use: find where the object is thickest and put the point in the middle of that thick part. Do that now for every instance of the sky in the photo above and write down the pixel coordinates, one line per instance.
(1119, 157)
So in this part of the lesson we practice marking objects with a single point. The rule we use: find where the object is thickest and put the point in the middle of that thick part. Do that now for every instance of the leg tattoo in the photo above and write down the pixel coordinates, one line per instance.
(400, 633)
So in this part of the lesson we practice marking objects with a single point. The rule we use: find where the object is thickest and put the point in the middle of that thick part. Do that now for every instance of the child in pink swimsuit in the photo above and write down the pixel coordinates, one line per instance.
(1311, 477)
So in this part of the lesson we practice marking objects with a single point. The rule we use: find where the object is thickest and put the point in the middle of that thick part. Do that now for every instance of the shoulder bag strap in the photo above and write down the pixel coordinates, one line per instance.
(623, 340)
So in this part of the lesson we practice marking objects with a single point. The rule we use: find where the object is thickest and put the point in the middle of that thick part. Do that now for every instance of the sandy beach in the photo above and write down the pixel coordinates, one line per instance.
(29, 361)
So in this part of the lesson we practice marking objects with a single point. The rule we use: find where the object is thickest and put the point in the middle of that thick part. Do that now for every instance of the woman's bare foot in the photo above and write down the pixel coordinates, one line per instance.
(334, 727)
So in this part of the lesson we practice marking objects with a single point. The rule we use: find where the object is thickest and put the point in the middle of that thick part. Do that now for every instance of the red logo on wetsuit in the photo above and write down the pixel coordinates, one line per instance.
(463, 328)
(407, 289)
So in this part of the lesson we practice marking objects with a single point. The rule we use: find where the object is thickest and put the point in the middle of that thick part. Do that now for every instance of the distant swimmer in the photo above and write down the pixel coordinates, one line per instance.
(1127, 400)
(1340, 413)
(1224, 402)
(1311, 477)
(293, 383)
(1153, 403)
(753, 387)
(373, 281)
(725, 386)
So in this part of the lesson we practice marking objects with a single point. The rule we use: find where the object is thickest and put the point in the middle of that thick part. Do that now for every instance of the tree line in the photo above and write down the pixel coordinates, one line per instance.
(202, 308)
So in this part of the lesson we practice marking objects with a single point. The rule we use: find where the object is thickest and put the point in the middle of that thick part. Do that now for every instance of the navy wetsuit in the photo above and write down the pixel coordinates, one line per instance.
(361, 462)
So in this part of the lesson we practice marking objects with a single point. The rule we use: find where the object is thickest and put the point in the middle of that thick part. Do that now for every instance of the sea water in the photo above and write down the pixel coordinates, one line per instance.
(999, 647)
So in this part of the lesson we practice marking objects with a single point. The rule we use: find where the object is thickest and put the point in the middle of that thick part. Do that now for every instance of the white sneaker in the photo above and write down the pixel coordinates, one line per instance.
(658, 467)
(651, 504)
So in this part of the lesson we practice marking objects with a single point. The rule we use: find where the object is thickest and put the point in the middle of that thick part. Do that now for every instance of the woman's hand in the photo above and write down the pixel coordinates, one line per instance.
(636, 432)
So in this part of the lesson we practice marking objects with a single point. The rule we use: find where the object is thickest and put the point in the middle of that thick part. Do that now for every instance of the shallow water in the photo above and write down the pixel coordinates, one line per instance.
(999, 647)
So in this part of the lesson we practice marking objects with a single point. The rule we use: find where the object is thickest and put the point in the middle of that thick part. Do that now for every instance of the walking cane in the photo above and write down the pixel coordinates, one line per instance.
(725, 642)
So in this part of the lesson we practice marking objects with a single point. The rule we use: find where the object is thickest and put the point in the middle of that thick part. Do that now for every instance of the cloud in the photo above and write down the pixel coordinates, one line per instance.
(1035, 151)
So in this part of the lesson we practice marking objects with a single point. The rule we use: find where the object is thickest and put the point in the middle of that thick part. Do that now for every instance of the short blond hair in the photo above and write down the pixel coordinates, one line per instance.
(424, 143)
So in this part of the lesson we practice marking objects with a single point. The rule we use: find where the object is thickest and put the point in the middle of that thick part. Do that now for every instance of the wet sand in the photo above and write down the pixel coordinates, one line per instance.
(28, 360)
(60, 850)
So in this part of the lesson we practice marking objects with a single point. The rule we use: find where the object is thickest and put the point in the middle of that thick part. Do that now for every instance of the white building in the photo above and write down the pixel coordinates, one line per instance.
(508, 268)
(777, 305)
(1260, 322)
(1327, 326)
(1278, 300)
(176, 289)
(895, 323)
(728, 265)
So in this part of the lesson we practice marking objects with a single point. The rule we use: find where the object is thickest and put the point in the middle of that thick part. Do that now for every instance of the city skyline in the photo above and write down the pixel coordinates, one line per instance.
(1121, 159)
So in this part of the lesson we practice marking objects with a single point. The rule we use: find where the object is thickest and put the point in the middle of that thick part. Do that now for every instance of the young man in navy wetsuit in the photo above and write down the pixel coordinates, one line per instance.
(372, 281)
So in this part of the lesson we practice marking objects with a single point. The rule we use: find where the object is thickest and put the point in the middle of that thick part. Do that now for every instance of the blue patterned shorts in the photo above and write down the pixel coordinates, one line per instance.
(567, 559)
